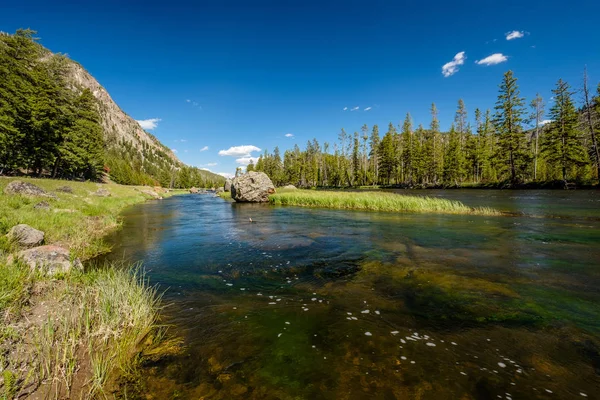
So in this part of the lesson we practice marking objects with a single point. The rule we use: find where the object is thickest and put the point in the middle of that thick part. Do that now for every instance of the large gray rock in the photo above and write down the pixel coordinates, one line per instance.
(219, 190)
(42, 205)
(252, 187)
(227, 186)
(194, 190)
(50, 260)
(25, 235)
(26, 189)
(289, 187)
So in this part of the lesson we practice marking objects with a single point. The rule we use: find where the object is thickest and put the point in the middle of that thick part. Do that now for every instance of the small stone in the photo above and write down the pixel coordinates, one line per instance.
(25, 235)
(368, 334)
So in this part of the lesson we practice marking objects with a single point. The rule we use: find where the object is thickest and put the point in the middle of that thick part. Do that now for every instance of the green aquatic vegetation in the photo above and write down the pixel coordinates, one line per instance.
(375, 201)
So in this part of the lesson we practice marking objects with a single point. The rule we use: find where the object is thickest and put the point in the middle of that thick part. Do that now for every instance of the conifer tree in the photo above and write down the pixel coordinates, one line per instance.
(508, 120)
(374, 165)
(562, 146)
(537, 116)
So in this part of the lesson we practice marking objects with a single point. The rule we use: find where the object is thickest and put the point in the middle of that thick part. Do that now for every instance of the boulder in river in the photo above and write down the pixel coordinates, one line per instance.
(252, 187)
(26, 189)
(219, 190)
(25, 235)
(194, 190)
(51, 260)
(227, 186)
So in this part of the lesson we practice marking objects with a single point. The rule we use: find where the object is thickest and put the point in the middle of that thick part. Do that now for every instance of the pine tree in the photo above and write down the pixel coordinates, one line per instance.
(537, 116)
(407, 149)
(374, 165)
(508, 119)
(562, 146)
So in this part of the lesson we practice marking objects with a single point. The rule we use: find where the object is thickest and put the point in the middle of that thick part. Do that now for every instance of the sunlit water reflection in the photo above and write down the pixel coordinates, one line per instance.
(326, 304)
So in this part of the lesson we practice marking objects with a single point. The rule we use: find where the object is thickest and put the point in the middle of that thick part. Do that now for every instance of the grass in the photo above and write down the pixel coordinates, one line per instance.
(374, 201)
(104, 317)
(85, 329)
(78, 221)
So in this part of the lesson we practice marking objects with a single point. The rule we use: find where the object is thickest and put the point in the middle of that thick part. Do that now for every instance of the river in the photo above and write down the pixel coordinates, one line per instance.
(327, 304)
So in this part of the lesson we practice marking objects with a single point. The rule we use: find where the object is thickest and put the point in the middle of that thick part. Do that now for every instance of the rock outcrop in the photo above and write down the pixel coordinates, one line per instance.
(50, 260)
(252, 187)
(227, 186)
(25, 235)
(26, 189)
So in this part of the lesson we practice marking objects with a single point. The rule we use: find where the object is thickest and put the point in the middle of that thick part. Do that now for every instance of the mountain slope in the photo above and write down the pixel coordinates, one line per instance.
(57, 120)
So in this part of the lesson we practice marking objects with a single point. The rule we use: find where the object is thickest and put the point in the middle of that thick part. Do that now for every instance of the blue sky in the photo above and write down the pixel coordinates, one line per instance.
(222, 74)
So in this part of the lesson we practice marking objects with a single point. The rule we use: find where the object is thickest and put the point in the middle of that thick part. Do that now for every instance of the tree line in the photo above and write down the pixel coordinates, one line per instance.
(49, 127)
(511, 145)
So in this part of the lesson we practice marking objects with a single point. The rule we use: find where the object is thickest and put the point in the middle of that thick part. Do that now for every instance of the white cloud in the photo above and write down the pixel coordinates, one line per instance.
(211, 164)
(546, 121)
(494, 59)
(368, 108)
(514, 35)
(188, 101)
(246, 160)
(239, 151)
(226, 174)
(354, 108)
(204, 148)
(345, 108)
(174, 150)
(149, 124)
(180, 140)
(450, 68)
(290, 135)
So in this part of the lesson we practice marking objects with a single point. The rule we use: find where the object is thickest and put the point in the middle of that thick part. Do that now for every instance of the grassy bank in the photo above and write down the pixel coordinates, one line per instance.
(71, 336)
(374, 201)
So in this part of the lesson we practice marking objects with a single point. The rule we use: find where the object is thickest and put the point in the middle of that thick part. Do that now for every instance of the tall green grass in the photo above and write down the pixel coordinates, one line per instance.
(375, 201)
(101, 318)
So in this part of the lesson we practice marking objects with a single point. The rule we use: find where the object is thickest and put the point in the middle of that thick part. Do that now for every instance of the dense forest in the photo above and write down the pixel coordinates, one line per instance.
(510, 146)
(49, 126)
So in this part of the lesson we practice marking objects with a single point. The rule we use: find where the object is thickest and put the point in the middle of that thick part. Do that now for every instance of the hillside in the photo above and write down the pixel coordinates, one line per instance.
(57, 120)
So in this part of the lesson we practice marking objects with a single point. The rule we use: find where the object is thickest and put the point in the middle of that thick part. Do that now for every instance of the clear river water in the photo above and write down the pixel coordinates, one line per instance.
(326, 304)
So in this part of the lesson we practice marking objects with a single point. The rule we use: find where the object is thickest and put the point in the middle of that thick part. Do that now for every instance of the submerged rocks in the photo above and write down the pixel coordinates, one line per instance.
(26, 189)
(50, 260)
(25, 235)
(252, 187)
(227, 186)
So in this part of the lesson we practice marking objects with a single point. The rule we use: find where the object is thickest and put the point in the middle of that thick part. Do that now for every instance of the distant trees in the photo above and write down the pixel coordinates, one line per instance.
(504, 146)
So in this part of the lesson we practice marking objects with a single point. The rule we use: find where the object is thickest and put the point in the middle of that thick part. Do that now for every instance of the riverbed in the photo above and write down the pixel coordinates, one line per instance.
(328, 304)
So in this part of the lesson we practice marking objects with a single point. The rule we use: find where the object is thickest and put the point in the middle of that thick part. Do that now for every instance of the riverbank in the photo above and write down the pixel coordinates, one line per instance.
(71, 335)
(374, 201)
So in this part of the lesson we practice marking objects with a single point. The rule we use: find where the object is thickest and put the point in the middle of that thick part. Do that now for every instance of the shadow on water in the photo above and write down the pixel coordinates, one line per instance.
(328, 304)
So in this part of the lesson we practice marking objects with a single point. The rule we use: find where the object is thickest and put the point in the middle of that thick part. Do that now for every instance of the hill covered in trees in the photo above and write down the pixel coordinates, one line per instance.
(511, 145)
(56, 120)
